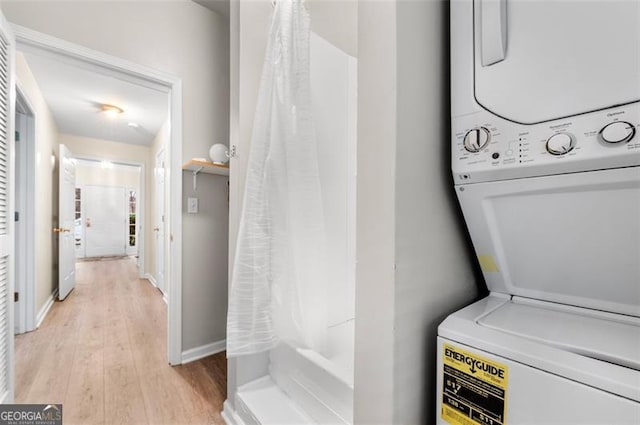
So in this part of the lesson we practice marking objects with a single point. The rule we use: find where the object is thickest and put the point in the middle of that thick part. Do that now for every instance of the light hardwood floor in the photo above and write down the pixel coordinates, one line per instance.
(102, 354)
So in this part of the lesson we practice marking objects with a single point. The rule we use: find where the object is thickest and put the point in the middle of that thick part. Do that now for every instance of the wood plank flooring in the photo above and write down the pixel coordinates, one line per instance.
(102, 354)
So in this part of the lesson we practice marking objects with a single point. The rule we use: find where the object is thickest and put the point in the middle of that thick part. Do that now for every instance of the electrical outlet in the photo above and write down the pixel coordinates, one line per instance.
(192, 206)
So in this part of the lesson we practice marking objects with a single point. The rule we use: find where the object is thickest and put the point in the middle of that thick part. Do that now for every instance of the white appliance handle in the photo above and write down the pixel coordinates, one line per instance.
(493, 30)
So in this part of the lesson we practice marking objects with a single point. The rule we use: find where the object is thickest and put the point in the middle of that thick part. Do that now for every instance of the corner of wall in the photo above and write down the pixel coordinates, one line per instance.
(376, 216)
(46, 183)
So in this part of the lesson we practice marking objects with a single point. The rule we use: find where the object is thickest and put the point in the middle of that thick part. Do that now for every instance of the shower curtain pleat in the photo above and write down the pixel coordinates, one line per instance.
(278, 287)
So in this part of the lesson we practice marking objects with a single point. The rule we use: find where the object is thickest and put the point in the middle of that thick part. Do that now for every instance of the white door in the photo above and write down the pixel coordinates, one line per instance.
(105, 221)
(7, 207)
(20, 230)
(158, 217)
(542, 60)
(66, 235)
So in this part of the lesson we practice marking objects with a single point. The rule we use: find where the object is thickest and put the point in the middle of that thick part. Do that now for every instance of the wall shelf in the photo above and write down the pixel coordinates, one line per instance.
(197, 166)
(208, 167)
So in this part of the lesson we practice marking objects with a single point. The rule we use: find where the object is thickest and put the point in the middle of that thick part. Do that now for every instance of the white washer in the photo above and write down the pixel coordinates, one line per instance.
(546, 162)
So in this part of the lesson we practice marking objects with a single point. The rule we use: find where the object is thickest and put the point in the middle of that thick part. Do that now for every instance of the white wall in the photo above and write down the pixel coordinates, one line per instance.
(90, 173)
(46, 185)
(333, 94)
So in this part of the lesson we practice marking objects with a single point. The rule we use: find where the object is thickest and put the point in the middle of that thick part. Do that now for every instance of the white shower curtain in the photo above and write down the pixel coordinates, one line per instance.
(278, 288)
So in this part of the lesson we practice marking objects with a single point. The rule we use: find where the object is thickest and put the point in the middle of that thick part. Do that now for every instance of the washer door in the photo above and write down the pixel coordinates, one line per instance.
(542, 60)
(572, 239)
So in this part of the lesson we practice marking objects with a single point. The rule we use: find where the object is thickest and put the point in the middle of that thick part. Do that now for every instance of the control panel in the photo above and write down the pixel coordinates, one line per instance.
(486, 147)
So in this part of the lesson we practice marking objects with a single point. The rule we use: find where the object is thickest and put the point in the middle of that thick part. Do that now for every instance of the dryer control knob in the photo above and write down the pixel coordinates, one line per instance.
(560, 143)
(617, 132)
(477, 139)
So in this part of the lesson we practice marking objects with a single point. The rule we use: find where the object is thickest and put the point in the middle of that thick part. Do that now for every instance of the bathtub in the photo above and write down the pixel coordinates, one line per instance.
(320, 385)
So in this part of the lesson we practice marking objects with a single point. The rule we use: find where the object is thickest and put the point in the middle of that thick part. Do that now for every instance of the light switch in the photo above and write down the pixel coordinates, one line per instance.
(192, 206)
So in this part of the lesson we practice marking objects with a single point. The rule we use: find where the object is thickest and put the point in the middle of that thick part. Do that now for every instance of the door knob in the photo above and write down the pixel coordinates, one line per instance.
(156, 229)
(57, 230)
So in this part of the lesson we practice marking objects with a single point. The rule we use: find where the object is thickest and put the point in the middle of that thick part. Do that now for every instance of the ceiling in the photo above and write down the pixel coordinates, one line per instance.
(220, 6)
(75, 94)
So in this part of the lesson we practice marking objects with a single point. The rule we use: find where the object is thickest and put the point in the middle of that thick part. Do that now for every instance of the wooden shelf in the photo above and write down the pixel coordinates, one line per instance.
(208, 167)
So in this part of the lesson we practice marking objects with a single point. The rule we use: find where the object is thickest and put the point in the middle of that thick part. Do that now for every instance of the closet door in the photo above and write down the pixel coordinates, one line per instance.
(7, 208)
(541, 60)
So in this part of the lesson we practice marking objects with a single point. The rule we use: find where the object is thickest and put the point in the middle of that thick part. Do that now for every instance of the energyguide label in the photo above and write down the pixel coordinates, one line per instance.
(474, 388)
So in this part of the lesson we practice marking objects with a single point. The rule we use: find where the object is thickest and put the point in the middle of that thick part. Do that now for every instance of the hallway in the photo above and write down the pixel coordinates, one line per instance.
(102, 354)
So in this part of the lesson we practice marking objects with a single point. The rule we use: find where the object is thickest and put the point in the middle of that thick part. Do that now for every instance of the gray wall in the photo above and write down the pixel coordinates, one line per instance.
(205, 240)
(434, 266)
(374, 336)
(416, 266)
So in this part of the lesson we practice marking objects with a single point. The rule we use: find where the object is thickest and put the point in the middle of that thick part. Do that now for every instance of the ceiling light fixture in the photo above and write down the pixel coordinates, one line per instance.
(133, 125)
(111, 111)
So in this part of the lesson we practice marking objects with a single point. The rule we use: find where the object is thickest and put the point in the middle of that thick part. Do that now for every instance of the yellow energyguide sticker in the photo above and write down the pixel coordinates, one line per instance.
(487, 263)
(474, 389)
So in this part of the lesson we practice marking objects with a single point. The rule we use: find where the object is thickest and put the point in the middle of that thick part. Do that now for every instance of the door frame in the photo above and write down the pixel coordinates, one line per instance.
(28, 40)
(26, 184)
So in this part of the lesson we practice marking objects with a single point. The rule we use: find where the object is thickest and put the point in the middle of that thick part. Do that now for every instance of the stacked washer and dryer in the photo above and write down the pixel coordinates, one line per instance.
(546, 163)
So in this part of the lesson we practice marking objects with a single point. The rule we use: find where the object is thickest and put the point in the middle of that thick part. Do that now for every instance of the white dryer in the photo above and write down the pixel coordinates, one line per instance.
(546, 163)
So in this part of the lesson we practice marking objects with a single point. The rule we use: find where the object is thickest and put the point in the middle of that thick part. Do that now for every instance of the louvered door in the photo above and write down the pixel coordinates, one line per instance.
(7, 192)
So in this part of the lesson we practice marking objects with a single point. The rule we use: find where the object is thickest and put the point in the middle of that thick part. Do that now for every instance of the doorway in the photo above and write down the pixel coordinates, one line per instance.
(109, 209)
(32, 42)
(24, 312)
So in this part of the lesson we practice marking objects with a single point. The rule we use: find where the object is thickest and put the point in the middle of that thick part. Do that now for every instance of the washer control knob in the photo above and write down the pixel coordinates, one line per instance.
(617, 132)
(477, 139)
(560, 143)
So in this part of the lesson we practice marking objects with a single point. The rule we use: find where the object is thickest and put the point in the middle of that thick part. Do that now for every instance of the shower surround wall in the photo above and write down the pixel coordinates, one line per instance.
(319, 383)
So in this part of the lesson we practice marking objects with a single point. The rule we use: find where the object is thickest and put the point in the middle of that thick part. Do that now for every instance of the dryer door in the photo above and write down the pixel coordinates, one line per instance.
(572, 239)
(542, 60)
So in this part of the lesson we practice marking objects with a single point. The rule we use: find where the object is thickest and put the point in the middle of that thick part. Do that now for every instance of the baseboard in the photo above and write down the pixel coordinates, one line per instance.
(153, 282)
(45, 308)
(197, 353)
(151, 279)
(229, 415)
